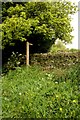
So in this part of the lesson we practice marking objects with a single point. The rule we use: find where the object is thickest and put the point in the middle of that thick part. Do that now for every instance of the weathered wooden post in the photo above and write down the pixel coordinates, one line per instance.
(27, 52)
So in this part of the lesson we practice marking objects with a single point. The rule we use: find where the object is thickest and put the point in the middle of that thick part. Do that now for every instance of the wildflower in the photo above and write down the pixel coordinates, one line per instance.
(61, 109)
(56, 95)
(19, 93)
(49, 75)
(20, 55)
(18, 63)
(37, 88)
(56, 82)
(74, 101)
(13, 53)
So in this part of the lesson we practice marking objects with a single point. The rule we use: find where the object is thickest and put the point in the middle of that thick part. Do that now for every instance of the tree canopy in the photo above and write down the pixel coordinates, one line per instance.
(40, 23)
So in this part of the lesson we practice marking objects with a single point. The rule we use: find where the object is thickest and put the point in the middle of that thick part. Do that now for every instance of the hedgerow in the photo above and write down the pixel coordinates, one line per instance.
(60, 59)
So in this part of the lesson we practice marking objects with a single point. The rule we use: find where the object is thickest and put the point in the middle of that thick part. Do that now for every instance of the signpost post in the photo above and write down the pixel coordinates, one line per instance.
(27, 53)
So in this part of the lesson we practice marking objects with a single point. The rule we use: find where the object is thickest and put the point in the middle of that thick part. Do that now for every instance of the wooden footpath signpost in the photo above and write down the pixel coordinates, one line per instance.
(27, 53)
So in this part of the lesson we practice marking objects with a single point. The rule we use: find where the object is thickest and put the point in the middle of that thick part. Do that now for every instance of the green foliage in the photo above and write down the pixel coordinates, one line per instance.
(40, 23)
(74, 50)
(29, 92)
(58, 46)
(15, 60)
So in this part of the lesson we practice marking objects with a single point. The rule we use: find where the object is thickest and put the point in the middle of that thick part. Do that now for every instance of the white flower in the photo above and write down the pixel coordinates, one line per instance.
(19, 93)
(18, 63)
(61, 109)
(56, 82)
(74, 101)
(20, 54)
(13, 53)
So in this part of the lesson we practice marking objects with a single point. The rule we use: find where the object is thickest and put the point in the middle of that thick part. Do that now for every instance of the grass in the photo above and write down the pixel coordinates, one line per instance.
(30, 92)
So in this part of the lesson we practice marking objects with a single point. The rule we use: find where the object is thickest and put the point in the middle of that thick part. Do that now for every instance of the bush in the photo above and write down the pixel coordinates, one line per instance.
(15, 60)
(29, 92)
(74, 50)
(58, 46)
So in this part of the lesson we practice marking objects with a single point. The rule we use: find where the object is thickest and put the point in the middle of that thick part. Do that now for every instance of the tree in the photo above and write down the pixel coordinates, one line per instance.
(58, 46)
(40, 23)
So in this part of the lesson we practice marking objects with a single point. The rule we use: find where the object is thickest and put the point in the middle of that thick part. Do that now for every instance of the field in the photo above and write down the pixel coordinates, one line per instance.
(31, 92)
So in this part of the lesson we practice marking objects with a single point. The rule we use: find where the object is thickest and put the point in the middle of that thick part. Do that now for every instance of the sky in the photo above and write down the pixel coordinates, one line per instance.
(74, 24)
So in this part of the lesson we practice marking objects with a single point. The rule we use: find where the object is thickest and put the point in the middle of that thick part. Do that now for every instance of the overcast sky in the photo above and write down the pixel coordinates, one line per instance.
(74, 23)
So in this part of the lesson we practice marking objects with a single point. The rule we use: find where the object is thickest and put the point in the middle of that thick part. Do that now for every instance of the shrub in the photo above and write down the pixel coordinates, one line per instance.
(15, 60)
(74, 50)
(29, 92)
(58, 46)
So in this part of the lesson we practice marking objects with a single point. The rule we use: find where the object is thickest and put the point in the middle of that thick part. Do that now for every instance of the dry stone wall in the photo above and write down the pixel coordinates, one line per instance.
(59, 60)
